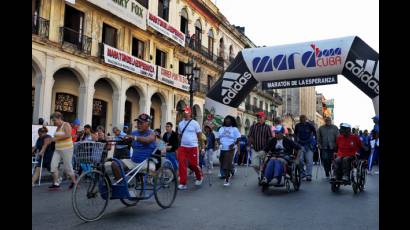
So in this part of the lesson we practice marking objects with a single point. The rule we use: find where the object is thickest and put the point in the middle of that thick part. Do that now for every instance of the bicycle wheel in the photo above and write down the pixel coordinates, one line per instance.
(135, 187)
(165, 187)
(90, 195)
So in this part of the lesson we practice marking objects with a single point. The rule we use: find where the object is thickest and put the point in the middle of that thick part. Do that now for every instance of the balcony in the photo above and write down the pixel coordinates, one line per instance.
(40, 26)
(196, 45)
(79, 41)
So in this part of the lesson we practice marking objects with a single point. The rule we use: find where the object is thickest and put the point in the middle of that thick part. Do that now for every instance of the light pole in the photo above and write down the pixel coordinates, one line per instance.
(192, 73)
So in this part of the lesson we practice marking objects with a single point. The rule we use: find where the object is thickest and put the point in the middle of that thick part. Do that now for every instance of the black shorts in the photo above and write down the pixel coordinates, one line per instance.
(46, 164)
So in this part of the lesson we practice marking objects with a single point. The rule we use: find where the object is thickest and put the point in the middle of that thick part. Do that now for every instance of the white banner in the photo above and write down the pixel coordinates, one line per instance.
(34, 132)
(166, 29)
(129, 10)
(308, 59)
(125, 61)
(173, 79)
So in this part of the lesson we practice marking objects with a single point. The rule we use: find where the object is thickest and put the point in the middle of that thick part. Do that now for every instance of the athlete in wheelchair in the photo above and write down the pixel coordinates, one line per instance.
(281, 166)
(346, 167)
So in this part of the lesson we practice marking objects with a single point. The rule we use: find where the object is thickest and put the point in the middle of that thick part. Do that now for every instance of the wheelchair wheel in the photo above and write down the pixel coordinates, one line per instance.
(296, 177)
(90, 195)
(355, 187)
(362, 176)
(134, 186)
(165, 187)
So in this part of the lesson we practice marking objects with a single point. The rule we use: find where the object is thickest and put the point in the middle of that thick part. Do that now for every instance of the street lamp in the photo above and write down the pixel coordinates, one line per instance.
(192, 73)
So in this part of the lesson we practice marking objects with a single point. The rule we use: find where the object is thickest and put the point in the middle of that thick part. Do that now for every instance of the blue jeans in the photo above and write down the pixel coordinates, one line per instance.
(171, 156)
(274, 169)
(373, 156)
(306, 155)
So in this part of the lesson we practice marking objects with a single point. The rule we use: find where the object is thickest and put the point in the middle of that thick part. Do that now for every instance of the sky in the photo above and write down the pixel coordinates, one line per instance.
(279, 22)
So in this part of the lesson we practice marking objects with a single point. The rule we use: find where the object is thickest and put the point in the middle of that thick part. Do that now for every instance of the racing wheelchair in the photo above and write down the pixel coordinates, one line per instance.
(293, 170)
(357, 176)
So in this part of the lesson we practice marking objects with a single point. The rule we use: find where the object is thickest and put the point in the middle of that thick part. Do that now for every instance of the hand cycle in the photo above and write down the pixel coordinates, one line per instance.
(94, 188)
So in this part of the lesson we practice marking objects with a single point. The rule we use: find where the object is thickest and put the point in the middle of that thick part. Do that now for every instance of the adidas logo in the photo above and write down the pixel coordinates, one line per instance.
(367, 71)
(232, 83)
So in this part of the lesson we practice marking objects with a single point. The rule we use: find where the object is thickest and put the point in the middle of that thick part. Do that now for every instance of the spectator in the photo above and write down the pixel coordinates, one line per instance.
(126, 130)
(63, 150)
(121, 149)
(74, 129)
(326, 136)
(45, 149)
(159, 142)
(376, 124)
(101, 137)
(365, 151)
(171, 140)
(374, 144)
(304, 134)
(87, 134)
(228, 137)
(259, 135)
(190, 134)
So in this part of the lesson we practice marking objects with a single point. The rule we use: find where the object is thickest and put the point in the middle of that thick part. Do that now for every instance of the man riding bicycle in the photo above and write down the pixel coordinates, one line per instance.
(281, 149)
(347, 146)
(143, 144)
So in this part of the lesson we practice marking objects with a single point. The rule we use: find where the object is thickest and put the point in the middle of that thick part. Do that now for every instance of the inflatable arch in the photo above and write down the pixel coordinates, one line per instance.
(348, 56)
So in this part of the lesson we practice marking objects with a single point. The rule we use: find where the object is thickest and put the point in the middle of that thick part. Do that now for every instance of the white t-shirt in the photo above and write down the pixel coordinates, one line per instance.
(189, 138)
(228, 136)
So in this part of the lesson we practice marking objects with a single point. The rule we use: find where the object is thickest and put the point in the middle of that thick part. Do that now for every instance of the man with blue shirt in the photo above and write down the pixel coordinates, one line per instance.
(305, 133)
(143, 145)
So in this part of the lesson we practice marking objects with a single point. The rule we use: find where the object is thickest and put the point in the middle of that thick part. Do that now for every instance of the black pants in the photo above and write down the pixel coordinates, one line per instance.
(327, 157)
(225, 161)
(343, 166)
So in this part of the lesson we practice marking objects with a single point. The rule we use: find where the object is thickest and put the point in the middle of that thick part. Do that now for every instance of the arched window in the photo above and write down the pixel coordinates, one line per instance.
(198, 34)
(184, 21)
(210, 42)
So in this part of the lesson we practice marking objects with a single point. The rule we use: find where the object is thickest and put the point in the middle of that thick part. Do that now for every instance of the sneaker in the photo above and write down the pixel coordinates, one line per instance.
(376, 172)
(198, 182)
(264, 180)
(54, 186)
(227, 183)
(182, 187)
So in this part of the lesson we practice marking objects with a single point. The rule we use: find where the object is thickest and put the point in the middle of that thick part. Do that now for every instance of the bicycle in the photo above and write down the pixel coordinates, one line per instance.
(94, 188)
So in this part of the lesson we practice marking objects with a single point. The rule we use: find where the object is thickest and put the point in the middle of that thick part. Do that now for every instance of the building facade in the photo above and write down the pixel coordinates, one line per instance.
(298, 101)
(106, 61)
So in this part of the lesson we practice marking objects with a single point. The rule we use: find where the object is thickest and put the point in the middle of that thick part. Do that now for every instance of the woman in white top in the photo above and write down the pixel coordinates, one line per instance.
(228, 137)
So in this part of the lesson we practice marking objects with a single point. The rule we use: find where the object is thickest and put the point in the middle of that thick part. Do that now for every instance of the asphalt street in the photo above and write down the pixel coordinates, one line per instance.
(240, 206)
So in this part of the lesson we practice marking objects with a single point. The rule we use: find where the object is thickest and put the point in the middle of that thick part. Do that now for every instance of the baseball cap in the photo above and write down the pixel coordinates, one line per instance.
(143, 118)
(187, 110)
(345, 125)
(279, 129)
(376, 117)
(261, 114)
(76, 121)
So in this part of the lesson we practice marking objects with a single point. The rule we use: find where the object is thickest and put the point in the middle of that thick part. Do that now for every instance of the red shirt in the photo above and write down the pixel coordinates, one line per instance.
(347, 146)
(74, 134)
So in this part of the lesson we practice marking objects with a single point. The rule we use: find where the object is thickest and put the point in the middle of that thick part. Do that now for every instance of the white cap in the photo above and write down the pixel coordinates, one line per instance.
(345, 125)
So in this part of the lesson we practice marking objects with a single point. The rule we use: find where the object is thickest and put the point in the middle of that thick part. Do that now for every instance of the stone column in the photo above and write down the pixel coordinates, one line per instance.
(85, 105)
(118, 106)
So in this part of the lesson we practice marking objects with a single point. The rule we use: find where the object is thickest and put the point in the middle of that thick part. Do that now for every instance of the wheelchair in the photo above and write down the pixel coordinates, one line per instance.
(292, 169)
(357, 176)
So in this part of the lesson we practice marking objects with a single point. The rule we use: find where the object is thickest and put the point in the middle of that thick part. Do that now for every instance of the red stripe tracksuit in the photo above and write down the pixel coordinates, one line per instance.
(188, 155)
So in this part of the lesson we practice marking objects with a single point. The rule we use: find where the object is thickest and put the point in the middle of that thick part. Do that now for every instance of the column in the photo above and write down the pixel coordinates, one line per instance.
(46, 91)
(118, 106)
(85, 104)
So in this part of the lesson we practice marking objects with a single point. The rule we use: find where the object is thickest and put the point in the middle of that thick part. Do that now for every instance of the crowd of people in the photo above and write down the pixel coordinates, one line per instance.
(194, 148)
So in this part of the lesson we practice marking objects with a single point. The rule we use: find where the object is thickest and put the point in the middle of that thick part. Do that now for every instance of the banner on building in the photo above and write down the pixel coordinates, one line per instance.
(166, 29)
(172, 79)
(130, 10)
(125, 61)
(299, 82)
